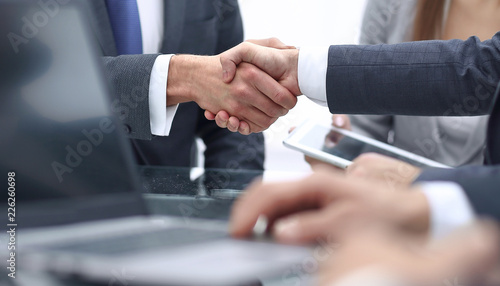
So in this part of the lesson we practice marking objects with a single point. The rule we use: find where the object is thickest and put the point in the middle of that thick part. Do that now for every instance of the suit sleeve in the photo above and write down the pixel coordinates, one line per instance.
(224, 148)
(374, 32)
(438, 78)
(480, 183)
(130, 76)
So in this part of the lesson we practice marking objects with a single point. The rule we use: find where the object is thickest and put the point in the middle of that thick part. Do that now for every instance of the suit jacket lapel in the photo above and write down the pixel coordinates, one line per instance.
(101, 26)
(174, 14)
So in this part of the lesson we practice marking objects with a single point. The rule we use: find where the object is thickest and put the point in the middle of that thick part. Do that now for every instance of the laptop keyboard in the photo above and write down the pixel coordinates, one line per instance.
(166, 238)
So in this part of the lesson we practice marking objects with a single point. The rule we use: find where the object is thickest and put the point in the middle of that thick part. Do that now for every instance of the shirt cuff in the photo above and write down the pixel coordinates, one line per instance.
(450, 209)
(161, 117)
(312, 68)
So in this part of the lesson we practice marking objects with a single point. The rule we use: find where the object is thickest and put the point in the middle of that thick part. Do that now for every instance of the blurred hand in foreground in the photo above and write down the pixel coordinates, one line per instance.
(375, 167)
(323, 204)
(381, 257)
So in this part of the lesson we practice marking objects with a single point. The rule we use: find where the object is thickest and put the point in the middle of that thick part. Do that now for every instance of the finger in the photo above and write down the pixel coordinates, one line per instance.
(232, 58)
(233, 124)
(277, 200)
(209, 115)
(338, 120)
(222, 119)
(341, 121)
(257, 120)
(333, 138)
(271, 43)
(244, 128)
(307, 226)
(280, 95)
(266, 93)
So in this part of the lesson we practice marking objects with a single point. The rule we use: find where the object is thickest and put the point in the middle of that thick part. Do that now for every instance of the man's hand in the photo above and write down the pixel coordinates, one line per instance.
(280, 62)
(252, 95)
(375, 167)
(323, 204)
(379, 256)
(271, 56)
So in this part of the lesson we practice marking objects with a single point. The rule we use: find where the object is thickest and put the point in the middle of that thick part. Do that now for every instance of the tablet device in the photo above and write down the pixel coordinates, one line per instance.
(340, 147)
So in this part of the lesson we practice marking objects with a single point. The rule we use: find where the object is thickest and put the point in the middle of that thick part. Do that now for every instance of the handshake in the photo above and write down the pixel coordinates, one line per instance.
(245, 89)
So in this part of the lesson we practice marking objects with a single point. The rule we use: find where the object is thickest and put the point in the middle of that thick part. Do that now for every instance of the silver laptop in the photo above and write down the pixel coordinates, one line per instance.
(75, 202)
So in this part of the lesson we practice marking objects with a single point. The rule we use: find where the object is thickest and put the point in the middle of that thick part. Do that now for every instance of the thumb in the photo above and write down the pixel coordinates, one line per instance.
(230, 59)
(246, 52)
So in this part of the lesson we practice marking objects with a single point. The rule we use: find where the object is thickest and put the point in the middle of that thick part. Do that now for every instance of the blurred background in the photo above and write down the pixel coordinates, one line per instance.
(300, 23)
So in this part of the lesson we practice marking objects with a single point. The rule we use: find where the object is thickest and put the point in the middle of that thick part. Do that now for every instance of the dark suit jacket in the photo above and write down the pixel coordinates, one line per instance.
(201, 27)
(439, 78)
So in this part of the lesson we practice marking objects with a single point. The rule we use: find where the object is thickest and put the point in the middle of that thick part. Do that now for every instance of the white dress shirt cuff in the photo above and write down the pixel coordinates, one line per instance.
(449, 206)
(161, 117)
(312, 68)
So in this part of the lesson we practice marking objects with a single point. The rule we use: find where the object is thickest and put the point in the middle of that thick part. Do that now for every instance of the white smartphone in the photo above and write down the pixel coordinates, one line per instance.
(343, 146)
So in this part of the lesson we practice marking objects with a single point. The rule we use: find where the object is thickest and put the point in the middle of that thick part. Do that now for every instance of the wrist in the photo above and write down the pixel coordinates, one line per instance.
(293, 62)
(184, 80)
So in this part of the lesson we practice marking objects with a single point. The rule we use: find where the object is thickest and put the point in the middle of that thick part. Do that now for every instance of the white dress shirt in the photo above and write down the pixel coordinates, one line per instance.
(152, 19)
(449, 205)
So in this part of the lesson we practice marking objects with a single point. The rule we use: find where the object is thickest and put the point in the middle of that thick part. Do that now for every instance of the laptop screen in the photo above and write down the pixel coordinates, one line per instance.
(69, 156)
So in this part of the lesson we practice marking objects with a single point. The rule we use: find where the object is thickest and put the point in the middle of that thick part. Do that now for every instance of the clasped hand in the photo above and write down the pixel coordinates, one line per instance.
(273, 71)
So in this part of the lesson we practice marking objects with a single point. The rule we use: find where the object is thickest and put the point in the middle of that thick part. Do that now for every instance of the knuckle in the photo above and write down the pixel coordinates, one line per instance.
(240, 91)
(250, 73)
(234, 107)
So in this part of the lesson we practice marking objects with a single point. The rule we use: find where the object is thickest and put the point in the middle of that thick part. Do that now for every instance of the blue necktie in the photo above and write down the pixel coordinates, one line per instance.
(124, 18)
